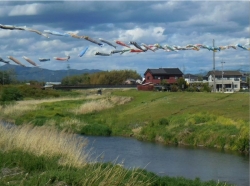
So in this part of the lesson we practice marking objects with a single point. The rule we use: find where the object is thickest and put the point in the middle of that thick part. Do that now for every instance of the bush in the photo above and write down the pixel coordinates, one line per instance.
(174, 88)
(96, 130)
(163, 121)
(207, 88)
(34, 91)
(190, 89)
(11, 94)
(243, 144)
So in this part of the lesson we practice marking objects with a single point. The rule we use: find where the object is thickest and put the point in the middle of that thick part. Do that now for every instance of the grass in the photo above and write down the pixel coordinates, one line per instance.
(101, 104)
(19, 108)
(32, 139)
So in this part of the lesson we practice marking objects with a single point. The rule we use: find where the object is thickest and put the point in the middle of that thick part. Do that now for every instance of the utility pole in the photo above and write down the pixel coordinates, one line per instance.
(214, 86)
(201, 75)
(68, 67)
(222, 86)
(3, 77)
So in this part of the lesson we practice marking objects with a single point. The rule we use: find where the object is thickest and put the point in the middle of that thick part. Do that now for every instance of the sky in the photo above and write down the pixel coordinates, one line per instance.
(165, 22)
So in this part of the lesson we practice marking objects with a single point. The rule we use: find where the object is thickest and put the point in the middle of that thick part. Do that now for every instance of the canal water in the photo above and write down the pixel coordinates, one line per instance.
(173, 161)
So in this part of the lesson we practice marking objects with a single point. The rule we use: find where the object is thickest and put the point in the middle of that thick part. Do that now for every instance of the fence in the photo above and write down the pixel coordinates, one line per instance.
(69, 87)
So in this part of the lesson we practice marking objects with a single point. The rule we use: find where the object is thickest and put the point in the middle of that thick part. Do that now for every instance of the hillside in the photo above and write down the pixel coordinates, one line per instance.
(40, 74)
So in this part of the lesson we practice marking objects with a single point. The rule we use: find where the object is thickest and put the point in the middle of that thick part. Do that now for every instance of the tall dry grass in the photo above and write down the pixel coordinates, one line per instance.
(44, 141)
(101, 104)
(120, 100)
(71, 123)
(93, 105)
(49, 142)
(20, 107)
(115, 175)
(17, 109)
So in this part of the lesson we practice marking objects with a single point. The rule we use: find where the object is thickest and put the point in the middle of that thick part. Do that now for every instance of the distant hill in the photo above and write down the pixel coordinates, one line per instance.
(40, 74)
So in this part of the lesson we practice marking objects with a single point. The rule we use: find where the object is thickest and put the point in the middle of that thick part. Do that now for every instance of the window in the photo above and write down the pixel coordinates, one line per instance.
(148, 77)
(235, 86)
(157, 77)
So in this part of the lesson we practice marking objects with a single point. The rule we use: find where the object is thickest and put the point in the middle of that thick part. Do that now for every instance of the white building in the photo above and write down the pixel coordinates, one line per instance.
(227, 80)
(190, 78)
(51, 84)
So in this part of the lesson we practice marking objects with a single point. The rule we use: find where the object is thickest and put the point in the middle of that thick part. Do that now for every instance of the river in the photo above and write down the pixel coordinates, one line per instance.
(188, 162)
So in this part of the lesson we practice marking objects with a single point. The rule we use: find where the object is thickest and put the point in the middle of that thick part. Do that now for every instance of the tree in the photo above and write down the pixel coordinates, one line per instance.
(114, 77)
(248, 80)
(164, 82)
(182, 84)
(5, 77)
(66, 81)
(200, 78)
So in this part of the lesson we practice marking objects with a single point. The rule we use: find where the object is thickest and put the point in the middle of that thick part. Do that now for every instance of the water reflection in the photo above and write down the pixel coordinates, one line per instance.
(173, 161)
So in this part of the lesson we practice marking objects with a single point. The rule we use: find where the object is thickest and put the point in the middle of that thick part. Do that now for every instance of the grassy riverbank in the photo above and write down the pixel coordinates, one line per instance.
(181, 118)
(32, 155)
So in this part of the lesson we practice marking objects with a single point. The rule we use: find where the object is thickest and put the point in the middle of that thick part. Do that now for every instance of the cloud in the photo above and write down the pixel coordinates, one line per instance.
(49, 46)
(25, 41)
(140, 35)
(27, 9)
(166, 6)
(5, 33)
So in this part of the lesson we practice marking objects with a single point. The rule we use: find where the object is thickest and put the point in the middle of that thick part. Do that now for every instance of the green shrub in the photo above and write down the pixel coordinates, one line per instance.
(190, 89)
(206, 88)
(11, 94)
(96, 130)
(151, 136)
(243, 144)
(34, 91)
(174, 88)
(163, 121)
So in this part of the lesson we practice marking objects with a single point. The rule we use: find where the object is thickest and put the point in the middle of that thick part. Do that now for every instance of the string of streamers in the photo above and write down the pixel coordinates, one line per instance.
(132, 46)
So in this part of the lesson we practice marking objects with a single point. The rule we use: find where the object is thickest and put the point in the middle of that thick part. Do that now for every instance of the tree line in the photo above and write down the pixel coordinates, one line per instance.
(113, 77)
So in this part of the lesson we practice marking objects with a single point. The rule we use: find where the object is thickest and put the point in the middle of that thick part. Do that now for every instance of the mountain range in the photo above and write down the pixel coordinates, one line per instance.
(43, 75)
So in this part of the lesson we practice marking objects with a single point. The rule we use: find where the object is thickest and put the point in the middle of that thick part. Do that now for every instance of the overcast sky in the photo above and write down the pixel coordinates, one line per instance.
(165, 22)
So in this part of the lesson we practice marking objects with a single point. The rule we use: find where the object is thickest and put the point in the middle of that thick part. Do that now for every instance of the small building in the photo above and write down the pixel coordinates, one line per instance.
(130, 81)
(138, 81)
(50, 85)
(230, 82)
(190, 78)
(156, 76)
